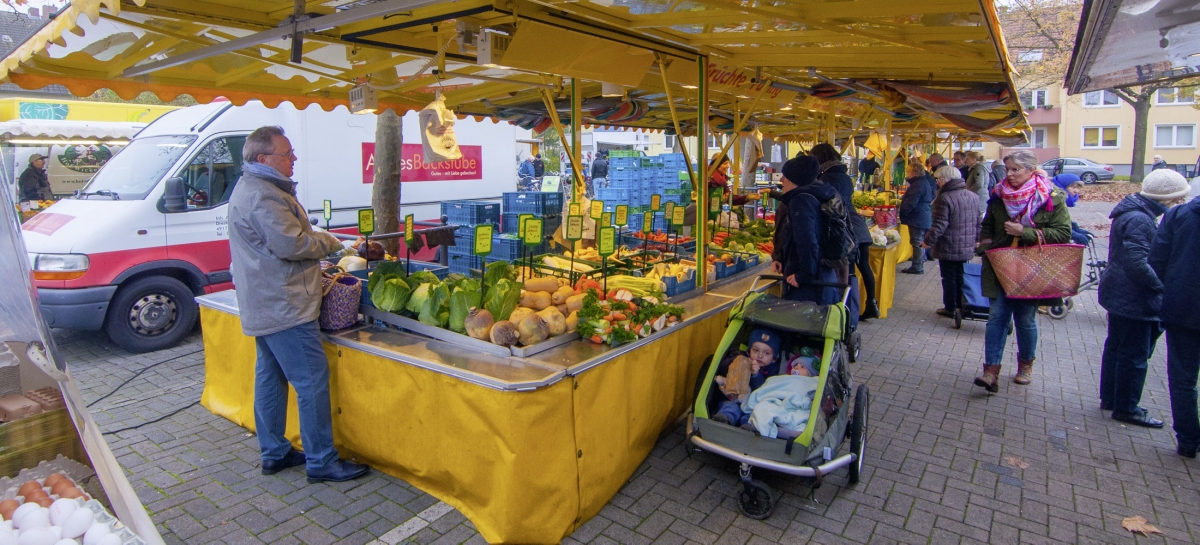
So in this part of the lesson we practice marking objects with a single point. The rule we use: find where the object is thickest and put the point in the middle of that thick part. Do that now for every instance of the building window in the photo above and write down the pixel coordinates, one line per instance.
(976, 145)
(1174, 136)
(1034, 139)
(1101, 99)
(1176, 95)
(669, 143)
(1033, 99)
(1101, 137)
(714, 142)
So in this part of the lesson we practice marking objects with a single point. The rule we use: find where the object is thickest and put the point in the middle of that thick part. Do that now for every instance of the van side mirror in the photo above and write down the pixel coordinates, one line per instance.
(175, 195)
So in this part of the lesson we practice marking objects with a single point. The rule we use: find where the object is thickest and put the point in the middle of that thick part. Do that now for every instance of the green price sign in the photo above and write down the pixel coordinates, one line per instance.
(328, 209)
(597, 209)
(677, 216)
(532, 233)
(483, 240)
(366, 221)
(714, 204)
(521, 219)
(606, 219)
(410, 233)
(606, 241)
(655, 202)
(647, 221)
(574, 228)
(669, 210)
(574, 210)
(622, 215)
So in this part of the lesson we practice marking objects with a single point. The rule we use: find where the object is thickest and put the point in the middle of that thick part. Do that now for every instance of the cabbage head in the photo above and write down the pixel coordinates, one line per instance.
(419, 296)
(435, 311)
(502, 297)
(464, 297)
(391, 295)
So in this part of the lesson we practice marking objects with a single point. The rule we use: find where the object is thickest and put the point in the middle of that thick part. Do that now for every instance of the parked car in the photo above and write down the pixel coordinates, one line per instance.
(1089, 171)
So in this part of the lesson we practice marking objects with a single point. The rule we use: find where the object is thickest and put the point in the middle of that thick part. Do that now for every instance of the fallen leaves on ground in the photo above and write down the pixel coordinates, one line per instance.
(1016, 462)
(1109, 192)
(1138, 524)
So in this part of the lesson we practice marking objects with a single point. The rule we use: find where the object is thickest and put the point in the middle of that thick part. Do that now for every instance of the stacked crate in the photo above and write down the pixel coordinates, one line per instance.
(466, 215)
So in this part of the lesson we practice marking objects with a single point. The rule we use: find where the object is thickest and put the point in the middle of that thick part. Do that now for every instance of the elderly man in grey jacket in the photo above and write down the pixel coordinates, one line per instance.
(278, 278)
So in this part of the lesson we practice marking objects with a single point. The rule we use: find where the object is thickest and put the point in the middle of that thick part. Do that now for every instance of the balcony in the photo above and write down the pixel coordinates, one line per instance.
(1043, 154)
(1042, 116)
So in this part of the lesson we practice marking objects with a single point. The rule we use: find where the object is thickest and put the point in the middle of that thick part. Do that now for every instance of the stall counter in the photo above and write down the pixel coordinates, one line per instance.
(526, 448)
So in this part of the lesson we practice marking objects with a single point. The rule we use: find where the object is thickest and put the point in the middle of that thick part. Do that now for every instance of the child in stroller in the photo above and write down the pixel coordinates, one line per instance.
(740, 374)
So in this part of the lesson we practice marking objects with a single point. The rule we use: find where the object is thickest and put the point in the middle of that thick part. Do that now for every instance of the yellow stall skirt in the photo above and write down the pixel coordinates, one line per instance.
(883, 264)
(524, 467)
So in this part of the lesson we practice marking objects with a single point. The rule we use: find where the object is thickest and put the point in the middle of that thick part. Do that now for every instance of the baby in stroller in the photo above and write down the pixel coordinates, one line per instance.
(741, 373)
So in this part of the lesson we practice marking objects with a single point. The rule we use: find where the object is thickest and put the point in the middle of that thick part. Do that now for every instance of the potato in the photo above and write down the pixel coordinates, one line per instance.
(545, 283)
(536, 300)
(519, 314)
(554, 321)
(575, 302)
(560, 297)
(573, 321)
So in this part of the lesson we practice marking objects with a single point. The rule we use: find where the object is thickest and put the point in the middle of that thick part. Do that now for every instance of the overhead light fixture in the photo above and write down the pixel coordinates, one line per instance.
(689, 86)
(786, 109)
(611, 90)
(65, 142)
(363, 99)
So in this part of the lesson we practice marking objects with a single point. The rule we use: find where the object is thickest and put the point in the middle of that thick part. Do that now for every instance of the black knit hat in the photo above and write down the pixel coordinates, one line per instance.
(801, 170)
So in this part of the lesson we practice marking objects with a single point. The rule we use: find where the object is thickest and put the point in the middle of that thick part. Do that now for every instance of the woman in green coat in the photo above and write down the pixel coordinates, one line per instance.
(1025, 206)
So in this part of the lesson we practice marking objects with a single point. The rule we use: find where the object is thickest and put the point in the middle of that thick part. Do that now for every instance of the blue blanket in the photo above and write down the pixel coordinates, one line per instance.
(784, 401)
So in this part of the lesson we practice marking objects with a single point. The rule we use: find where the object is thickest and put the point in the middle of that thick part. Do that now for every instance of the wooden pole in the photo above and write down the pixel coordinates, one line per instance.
(701, 184)
(576, 136)
(662, 70)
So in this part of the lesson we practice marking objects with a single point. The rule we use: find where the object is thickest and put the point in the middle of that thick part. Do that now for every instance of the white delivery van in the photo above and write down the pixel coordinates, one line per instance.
(114, 257)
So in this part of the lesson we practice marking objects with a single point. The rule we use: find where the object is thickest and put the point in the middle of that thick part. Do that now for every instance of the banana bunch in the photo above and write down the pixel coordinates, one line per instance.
(662, 270)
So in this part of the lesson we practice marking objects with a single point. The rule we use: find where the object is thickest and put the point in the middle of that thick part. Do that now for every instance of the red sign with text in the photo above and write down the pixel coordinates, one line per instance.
(415, 169)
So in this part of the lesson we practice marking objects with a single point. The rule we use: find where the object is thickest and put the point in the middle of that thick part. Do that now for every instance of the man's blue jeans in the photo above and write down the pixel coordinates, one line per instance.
(294, 355)
(1183, 364)
(1123, 363)
(1002, 312)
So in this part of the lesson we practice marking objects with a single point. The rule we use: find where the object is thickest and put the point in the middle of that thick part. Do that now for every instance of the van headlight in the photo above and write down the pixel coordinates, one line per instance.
(58, 266)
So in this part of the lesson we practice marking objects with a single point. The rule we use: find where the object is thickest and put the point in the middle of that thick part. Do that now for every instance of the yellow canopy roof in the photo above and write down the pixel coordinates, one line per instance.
(934, 65)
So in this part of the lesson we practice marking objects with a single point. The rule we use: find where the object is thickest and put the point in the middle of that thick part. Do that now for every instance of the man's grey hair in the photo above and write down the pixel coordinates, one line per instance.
(260, 142)
(937, 156)
(947, 172)
(1024, 159)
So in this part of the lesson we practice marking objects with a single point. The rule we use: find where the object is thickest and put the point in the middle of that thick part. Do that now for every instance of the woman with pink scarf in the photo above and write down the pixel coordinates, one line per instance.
(1028, 207)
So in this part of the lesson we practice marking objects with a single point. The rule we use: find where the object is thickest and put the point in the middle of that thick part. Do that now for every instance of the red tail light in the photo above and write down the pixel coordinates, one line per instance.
(1108, 168)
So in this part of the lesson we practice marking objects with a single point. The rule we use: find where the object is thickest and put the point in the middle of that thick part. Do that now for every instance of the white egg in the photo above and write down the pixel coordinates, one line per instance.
(110, 539)
(95, 533)
(8, 536)
(6, 525)
(36, 518)
(61, 509)
(77, 523)
(21, 511)
(66, 542)
(36, 536)
(57, 532)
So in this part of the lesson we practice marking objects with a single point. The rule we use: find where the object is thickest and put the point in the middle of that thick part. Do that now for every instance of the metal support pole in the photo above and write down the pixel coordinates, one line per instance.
(662, 70)
(576, 137)
(701, 184)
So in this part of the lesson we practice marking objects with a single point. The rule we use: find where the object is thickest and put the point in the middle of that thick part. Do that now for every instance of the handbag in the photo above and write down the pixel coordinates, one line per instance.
(886, 217)
(341, 294)
(1045, 271)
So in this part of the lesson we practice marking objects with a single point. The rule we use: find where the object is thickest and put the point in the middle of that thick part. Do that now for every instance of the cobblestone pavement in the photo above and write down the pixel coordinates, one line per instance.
(945, 463)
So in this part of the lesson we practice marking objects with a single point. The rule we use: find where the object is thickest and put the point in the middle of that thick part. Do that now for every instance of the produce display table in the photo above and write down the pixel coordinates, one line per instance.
(905, 252)
(883, 264)
(526, 448)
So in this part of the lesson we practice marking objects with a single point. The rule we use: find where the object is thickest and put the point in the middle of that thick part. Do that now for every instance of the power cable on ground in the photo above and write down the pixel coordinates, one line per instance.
(137, 374)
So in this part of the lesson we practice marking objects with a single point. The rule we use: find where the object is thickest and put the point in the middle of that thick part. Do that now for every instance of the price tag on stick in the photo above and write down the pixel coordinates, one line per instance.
(483, 240)
(366, 222)
(574, 209)
(606, 219)
(532, 235)
(574, 229)
(622, 218)
(677, 216)
(647, 221)
(655, 202)
(597, 209)
(668, 211)
(606, 241)
(327, 208)
(410, 232)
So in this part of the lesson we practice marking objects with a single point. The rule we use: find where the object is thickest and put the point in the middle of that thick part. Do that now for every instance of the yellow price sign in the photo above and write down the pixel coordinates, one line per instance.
(574, 209)
(647, 221)
(521, 219)
(714, 204)
(366, 221)
(597, 209)
(327, 207)
(532, 234)
(677, 216)
(622, 215)
(606, 219)
(655, 202)
(483, 239)
(669, 210)
(410, 231)
(606, 241)
(574, 228)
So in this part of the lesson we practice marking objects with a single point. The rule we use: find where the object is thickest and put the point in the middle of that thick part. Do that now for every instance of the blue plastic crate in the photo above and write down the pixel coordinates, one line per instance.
(613, 195)
(624, 162)
(510, 223)
(471, 212)
(440, 271)
(530, 202)
(676, 287)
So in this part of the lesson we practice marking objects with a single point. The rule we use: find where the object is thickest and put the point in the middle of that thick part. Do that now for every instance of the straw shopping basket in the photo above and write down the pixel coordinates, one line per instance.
(1045, 271)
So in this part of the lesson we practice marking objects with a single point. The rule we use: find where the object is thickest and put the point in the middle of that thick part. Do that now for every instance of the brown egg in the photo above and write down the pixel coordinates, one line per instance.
(7, 507)
(61, 485)
(28, 487)
(71, 493)
(44, 502)
(53, 478)
(36, 495)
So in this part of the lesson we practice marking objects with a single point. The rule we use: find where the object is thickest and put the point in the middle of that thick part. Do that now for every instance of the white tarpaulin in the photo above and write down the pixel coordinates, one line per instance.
(51, 128)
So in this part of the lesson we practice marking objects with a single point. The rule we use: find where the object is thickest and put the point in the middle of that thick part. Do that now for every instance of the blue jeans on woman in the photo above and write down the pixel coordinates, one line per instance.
(1004, 311)
(294, 356)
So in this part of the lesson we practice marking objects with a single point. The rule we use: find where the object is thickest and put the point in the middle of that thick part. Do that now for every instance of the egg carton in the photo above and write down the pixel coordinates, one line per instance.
(102, 516)
(75, 471)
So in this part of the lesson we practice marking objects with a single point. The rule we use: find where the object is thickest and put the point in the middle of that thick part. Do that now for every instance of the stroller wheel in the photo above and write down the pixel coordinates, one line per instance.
(755, 500)
(958, 318)
(1059, 312)
(855, 346)
(858, 430)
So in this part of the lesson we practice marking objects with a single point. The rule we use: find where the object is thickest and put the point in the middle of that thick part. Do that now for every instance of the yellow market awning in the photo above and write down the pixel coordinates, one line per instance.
(838, 68)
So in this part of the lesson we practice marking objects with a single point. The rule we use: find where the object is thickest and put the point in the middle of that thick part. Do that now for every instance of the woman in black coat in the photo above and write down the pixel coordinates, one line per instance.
(835, 173)
(952, 233)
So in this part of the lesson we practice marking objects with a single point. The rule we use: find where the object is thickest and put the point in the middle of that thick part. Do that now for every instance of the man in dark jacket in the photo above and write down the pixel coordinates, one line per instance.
(1175, 258)
(803, 196)
(1132, 294)
(835, 173)
(916, 212)
(539, 168)
(34, 183)
(952, 234)
(867, 167)
(600, 170)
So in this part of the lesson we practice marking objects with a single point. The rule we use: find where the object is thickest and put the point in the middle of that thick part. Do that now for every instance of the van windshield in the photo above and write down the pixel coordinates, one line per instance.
(137, 168)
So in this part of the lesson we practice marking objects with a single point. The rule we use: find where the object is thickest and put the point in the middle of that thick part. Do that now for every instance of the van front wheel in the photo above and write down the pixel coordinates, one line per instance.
(151, 314)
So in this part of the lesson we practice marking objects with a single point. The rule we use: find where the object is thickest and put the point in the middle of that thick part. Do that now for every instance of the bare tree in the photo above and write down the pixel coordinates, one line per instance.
(385, 194)
(1040, 35)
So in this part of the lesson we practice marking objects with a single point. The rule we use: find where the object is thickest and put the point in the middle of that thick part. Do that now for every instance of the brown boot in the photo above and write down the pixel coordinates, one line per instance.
(1024, 372)
(990, 379)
